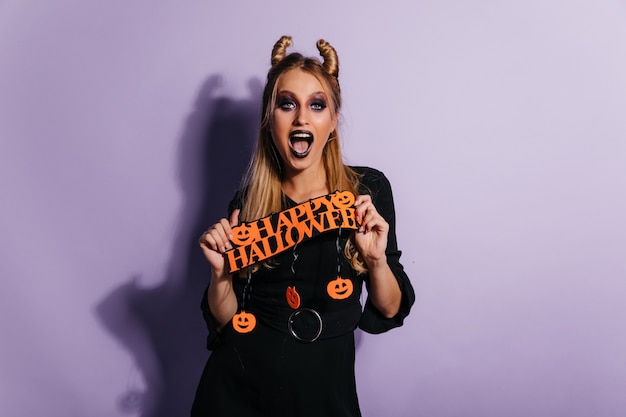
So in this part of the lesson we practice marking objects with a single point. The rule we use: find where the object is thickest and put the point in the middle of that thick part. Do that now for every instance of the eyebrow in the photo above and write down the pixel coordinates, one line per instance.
(287, 92)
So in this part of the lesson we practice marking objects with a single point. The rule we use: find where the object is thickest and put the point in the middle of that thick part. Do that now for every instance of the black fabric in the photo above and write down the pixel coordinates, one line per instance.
(267, 371)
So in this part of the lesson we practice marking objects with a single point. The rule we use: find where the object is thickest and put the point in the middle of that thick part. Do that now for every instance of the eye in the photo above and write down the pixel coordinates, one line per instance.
(318, 105)
(286, 104)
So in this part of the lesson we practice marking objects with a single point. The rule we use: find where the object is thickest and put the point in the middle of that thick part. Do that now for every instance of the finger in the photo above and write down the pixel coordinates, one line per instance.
(202, 240)
(222, 234)
(363, 211)
(215, 258)
(372, 220)
(234, 218)
(363, 198)
(216, 238)
(360, 210)
(208, 241)
(360, 218)
(377, 224)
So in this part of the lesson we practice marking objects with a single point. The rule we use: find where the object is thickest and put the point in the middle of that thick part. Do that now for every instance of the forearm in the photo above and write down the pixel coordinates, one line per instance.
(384, 291)
(222, 299)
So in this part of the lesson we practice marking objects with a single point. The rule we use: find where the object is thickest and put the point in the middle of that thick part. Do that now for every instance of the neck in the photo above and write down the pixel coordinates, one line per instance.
(305, 185)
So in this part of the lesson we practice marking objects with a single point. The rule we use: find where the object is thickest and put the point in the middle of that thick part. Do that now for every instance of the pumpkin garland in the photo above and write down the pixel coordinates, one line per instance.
(338, 288)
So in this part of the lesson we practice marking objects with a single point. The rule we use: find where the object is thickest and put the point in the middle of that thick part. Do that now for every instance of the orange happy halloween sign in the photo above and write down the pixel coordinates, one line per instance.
(261, 239)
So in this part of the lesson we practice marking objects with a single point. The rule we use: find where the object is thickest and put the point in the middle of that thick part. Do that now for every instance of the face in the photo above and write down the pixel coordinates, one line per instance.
(302, 121)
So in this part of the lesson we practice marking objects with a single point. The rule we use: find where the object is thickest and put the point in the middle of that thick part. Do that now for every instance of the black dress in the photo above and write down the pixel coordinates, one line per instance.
(268, 371)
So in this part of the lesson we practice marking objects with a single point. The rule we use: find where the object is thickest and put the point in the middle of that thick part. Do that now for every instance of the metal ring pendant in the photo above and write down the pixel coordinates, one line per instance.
(305, 325)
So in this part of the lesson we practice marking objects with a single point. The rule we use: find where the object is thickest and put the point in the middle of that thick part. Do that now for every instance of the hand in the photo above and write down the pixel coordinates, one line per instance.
(371, 237)
(216, 240)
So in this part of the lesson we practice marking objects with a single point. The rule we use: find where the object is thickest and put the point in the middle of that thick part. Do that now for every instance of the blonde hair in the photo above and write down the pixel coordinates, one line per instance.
(262, 181)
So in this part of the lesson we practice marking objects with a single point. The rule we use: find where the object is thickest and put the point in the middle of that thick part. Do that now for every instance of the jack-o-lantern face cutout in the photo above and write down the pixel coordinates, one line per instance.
(293, 298)
(343, 199)
(339, 288)
(244, 234)
(244, 322)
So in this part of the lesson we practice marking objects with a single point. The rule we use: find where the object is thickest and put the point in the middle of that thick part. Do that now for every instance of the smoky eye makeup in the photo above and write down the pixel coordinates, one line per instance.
(318, 104)
(285, 103)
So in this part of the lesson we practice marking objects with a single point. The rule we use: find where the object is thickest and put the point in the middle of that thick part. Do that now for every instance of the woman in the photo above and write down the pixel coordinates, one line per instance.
(298, 359)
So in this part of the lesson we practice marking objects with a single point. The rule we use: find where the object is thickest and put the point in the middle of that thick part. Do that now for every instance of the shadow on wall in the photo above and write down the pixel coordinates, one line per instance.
(163, 327)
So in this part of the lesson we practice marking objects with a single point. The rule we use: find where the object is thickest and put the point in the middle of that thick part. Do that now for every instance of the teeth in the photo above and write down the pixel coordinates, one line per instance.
(300, 142)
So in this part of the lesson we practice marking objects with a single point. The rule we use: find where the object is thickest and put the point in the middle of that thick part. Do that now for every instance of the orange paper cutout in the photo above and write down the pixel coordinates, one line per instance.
(340, 288)
(261, 239)
(244, 322)
(293, 298)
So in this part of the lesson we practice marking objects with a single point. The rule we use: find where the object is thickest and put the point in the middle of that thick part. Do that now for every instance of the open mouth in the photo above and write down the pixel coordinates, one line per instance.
(300, 142)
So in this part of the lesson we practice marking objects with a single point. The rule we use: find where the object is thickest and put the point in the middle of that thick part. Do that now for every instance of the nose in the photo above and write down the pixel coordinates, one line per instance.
(301, 118)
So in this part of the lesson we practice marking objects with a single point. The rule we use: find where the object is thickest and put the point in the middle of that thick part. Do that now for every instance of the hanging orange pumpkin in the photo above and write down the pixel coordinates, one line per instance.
(339, 288)
(244, 322)
(293, 298)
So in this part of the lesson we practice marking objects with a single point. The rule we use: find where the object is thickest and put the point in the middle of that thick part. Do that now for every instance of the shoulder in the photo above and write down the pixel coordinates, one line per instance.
(372, 181)
(238, 200)
(367, 173)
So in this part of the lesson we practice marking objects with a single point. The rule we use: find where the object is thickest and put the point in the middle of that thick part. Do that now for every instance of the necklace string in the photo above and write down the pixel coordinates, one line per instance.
(338, 246)
(293, 262)
(247, 289)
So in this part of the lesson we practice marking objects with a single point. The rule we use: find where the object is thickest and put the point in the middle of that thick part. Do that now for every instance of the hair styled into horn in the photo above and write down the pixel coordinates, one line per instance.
(331, 62)
(327, 52)
(279, 52)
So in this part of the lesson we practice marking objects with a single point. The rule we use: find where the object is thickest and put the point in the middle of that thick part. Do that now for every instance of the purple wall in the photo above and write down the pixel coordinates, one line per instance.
(124, 127)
